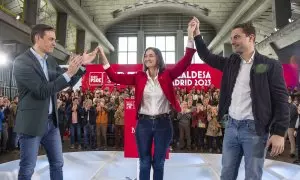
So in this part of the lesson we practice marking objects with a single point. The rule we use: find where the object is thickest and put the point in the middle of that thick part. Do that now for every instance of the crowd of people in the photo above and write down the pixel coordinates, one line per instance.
(101, 113)
(94, 120)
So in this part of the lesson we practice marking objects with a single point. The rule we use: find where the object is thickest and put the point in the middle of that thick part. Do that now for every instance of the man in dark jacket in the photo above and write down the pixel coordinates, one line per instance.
(254, 95)
(89, 124)
(39, 79)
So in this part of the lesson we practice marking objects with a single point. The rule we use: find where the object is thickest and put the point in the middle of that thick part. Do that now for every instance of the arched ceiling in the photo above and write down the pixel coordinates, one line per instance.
(101, 11)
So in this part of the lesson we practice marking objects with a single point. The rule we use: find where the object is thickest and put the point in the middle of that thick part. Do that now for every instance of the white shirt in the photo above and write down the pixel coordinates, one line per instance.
(154, 102)
(241, 102)
(43, 62)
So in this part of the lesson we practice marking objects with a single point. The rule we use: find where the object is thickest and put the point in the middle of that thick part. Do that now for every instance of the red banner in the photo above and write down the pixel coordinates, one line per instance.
(198, 75)
(130, 147)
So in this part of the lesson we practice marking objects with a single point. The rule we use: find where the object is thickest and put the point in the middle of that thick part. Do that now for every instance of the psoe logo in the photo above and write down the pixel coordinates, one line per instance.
(132, 130)
(130, 105)
(96, 78)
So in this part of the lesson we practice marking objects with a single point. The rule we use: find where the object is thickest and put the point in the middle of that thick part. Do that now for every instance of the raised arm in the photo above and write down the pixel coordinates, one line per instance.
(186, 60)
(209, 58)
(126, 79)
(26, 76)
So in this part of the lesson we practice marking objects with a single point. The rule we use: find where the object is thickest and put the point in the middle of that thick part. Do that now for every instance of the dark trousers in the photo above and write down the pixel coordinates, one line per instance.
(175, 132)
(89, 135)
(298, 143)
(61, 131)
(184, 134)
(211, 139)
(11, 138)
(75, 127)
(119, 134)
(160, 130)
(200, 136)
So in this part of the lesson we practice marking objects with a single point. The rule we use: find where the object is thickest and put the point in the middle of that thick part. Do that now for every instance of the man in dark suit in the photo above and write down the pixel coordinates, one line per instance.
(254, 95)
(38, 79)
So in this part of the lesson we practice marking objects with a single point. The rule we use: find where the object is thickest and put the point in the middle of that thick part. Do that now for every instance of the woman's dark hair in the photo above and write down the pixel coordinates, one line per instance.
(160, 60)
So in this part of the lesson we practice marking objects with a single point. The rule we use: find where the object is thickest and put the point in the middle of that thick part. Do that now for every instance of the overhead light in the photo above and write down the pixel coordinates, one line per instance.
(18, 17)
(291, 20)
(3, 59)
(276, 29)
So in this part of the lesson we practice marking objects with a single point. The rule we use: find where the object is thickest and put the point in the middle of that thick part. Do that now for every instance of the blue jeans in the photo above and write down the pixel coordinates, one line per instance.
(89, 135)
(240, 140)
(29, 148)
(147, 130)
(76, 127)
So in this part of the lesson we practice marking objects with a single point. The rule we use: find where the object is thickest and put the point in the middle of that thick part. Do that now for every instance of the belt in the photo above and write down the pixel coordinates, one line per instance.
(141, 116)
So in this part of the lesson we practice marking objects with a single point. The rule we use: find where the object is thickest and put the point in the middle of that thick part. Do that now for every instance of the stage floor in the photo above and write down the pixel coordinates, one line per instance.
(111, 165)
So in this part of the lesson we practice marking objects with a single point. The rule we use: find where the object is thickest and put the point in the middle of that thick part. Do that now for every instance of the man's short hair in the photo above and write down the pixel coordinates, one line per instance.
(247, 27)
(40, 29)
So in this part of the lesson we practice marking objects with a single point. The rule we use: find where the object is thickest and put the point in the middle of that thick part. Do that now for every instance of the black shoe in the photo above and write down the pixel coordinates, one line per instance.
(297, 162)
(292, 155)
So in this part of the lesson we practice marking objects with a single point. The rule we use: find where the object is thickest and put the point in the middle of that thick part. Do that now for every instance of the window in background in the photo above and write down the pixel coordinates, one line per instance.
(127, 51)
(196, 58)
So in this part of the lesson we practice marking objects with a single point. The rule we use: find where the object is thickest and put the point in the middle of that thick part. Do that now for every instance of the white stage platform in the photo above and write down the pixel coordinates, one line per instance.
(110, 165)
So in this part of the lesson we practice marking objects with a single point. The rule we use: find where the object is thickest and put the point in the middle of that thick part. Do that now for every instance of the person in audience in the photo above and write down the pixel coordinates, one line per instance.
(291, 129)
(62, 118)
(6, 112)
(200, 123)
(254, 94)
(297, 135)
(119, 126)
(184, 117)
(74, 114)
(214, 130)
(11, 123)
(89, 124)
(1, 121)
(101, 124)
(153, 95)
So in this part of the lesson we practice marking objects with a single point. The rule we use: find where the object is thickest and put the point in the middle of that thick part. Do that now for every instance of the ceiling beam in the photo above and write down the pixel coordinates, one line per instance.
(283, 37)
(233, 19)
(82, 19)
(259, 7)
(154, 8)
(13, 29)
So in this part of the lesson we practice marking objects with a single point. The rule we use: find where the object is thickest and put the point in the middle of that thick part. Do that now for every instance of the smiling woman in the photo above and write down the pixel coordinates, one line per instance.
(154, 99)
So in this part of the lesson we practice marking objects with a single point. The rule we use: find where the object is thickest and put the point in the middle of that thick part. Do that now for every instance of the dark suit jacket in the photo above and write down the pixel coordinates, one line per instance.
(35, 92)
(93, 116)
